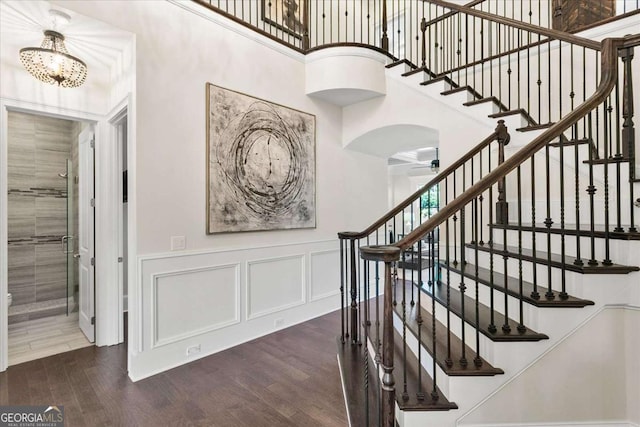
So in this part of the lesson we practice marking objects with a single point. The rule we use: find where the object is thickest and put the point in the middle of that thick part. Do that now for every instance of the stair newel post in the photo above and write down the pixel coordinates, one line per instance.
(628, 131)
(548, 222)
(502, 207)
(342, 296)
(455, 226)
(388, 255)
(607, 155)
(576, 161)
(477, 361)
(448, 360)
(352, 279)
(521, 327)
(385, 38)
(365, 332)
(462, 287)
(305, 21)
(618, 155)
(423, 29)
(591, 190)
(419, 320)
(492, 325)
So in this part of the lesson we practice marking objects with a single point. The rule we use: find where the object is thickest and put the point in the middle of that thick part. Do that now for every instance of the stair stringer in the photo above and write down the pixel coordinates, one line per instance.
(579, 383)
(479, 112)
(404, 105)
(515, 358)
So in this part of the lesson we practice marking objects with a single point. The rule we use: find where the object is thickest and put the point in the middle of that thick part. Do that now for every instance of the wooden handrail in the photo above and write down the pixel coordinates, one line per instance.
(449, 14)
(609, 63)
(554, 34)
(412, 198)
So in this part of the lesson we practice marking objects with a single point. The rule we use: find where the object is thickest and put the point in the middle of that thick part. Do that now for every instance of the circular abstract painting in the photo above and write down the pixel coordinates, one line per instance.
(261, 164)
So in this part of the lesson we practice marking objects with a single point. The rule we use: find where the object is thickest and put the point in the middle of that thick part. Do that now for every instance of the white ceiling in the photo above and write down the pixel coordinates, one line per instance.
(409, 149)
(388, 141)
(98, 44)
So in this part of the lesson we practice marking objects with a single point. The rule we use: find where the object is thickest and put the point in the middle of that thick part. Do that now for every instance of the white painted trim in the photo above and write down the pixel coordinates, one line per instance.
(7, 104)
(313, 298)
(106, 237)
(162, 255)
(248, 314)
(344, 391)
(154, 312)
(559, 424)
(630, 22)
(4, 250)
(230, 25)
(352, 51)
(114, 333)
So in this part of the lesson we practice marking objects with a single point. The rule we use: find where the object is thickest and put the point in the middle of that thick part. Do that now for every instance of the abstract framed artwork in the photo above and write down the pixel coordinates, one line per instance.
(286, 15)
(260, 164)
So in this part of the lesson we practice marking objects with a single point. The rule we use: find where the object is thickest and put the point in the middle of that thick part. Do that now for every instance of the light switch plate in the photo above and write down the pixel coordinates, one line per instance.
(178, 243)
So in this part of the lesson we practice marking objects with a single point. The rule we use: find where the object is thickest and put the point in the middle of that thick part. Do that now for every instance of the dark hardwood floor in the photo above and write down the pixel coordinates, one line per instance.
(289, 378)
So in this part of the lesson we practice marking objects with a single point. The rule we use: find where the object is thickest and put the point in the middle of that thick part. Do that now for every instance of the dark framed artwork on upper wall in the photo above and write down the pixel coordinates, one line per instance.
(260, 164)
(286, 15)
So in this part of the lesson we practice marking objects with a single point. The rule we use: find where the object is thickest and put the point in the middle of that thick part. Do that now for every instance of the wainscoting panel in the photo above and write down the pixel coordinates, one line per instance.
(192, 302)
(195, 303)
(322, 283)
(275, 284)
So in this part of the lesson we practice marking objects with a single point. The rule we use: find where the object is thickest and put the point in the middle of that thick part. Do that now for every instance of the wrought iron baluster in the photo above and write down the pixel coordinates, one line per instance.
(628, 129)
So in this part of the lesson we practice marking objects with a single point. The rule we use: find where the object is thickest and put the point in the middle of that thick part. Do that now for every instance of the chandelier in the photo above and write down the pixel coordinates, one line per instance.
(51, 62)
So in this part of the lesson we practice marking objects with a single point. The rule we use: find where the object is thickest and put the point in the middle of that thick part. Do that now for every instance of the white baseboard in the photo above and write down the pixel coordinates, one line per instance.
(559, 424)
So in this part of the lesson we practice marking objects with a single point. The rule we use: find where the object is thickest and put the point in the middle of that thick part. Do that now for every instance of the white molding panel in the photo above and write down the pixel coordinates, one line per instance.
(275, 284)
(196, 303)
(187, 303)
(321, 269)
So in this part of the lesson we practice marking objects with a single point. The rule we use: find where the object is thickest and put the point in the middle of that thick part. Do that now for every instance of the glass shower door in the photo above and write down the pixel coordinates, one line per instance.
(71, 240)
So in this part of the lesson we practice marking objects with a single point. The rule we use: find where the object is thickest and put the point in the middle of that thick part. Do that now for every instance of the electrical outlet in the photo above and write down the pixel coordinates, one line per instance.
(194, 349)
(279, 323)
(178, 243)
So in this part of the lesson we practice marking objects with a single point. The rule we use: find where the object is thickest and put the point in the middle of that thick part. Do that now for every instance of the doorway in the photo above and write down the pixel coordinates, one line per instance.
(47, 180)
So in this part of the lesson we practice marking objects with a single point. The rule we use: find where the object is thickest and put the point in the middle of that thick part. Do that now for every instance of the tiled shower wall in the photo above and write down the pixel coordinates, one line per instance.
(38, 149)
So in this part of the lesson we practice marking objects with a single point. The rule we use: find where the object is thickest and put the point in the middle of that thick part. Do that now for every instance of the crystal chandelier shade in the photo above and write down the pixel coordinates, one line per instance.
(52, 63)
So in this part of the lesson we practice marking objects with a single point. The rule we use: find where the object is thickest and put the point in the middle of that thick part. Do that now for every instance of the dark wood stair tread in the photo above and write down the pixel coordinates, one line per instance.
(412, 403)
(535, 127)
(571, 142)
(401, 61)
(541, 257)
(426, 337)
(571, 230)
(513, 287)
(439, 79)
(521, 111)
(362, 409)
(484, 314)
(469, 89)
(481, 101)
(418, 70)
(608, 160)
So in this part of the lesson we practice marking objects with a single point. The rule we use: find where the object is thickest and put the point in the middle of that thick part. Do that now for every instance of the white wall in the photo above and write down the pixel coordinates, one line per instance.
(589, 377)
(207, 295)
(90, 102)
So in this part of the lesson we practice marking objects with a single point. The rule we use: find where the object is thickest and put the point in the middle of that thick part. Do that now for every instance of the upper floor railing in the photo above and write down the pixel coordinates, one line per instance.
(391, 25)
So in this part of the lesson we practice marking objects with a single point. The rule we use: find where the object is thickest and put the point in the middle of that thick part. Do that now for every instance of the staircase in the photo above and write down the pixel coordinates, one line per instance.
(534, 237)
(536, 231)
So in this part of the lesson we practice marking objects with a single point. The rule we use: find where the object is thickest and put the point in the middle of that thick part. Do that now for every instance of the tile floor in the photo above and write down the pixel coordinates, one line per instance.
(35, 339)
